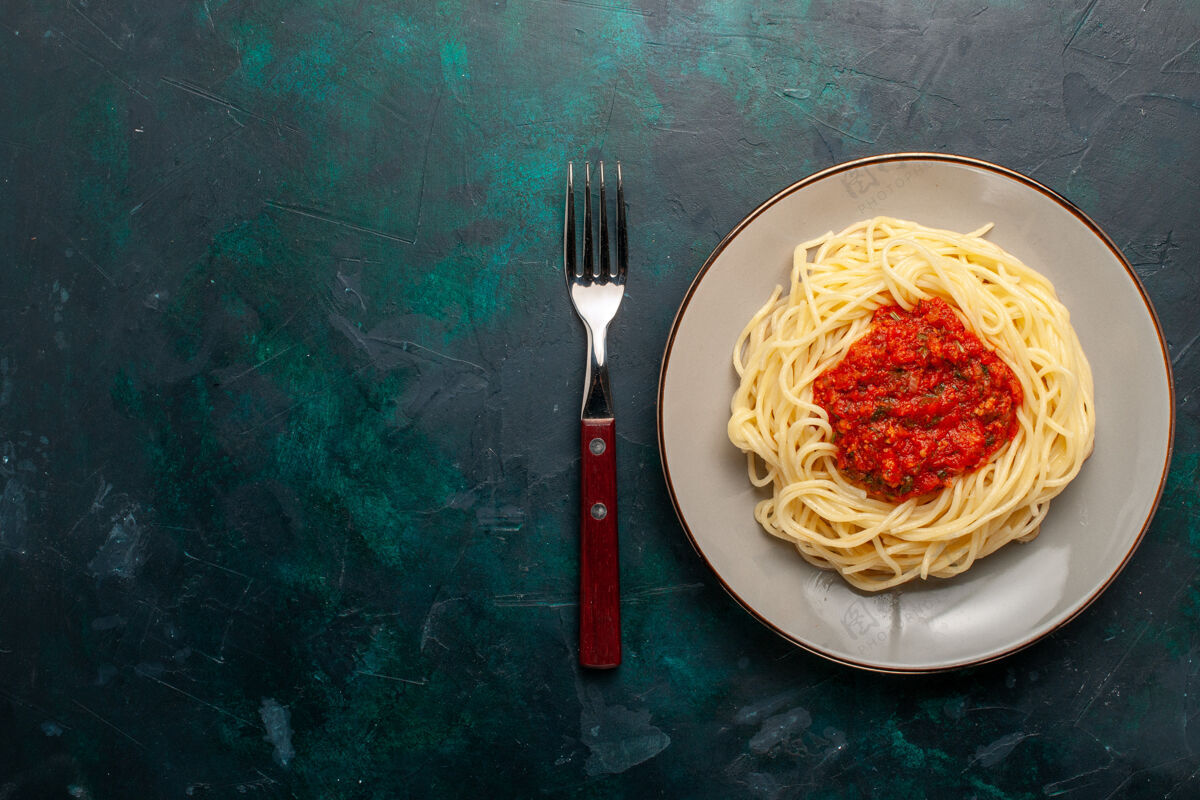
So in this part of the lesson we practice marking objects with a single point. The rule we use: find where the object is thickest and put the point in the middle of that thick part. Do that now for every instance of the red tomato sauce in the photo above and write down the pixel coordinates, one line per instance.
(917, 401)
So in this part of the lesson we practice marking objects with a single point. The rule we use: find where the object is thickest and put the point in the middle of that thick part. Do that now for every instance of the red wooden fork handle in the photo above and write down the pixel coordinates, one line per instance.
(599, 575)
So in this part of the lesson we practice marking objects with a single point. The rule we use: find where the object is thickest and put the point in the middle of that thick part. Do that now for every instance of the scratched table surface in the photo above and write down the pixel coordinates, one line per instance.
(289, 391)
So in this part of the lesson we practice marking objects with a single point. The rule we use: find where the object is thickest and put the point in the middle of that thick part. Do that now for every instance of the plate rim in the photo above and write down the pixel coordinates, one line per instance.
(947, 158)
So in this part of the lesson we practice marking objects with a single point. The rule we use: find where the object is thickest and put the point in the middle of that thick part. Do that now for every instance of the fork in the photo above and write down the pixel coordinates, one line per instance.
(596, 293)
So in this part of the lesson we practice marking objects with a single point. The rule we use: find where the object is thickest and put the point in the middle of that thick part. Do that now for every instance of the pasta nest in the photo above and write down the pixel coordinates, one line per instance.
(788, 440)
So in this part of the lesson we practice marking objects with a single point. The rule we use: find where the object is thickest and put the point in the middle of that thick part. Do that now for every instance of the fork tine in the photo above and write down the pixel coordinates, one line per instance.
(569, 225)
(603, 273)
(589, 258)
(622, 233)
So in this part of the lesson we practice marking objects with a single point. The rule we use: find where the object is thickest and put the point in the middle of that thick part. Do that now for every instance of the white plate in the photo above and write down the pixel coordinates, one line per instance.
(1010, 599)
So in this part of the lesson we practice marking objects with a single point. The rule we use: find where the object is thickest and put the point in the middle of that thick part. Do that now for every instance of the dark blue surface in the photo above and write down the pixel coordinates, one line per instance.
(289, 387)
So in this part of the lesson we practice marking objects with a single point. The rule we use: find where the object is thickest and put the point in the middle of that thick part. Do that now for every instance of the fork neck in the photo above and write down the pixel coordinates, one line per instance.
(597, 399)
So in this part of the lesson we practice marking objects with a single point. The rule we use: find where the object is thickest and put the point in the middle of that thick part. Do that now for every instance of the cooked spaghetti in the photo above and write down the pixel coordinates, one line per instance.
(940, 488)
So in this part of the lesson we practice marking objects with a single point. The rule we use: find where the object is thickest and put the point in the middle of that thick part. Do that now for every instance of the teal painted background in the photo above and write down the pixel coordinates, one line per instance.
(289, 387)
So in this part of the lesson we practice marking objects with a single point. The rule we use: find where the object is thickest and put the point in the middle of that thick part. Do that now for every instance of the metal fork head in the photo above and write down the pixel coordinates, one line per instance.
(595, 270)
(596, 289)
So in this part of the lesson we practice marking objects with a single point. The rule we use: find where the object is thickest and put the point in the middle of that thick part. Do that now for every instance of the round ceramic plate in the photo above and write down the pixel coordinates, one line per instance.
(1005, 601)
